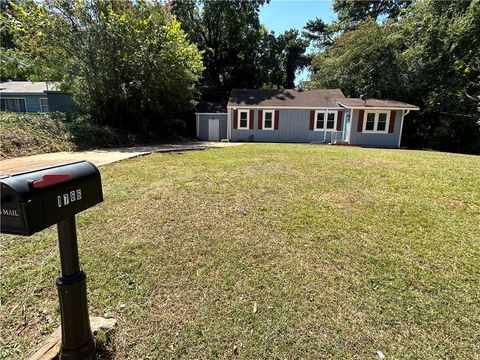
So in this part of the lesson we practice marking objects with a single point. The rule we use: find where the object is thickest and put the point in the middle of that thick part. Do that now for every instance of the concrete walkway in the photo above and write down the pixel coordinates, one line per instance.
(98, 157)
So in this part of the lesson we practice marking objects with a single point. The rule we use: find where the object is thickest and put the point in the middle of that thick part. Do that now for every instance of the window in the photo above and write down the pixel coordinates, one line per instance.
(376, 122)
(329, 124)
(370, 125)
(13, 104)
(243, 117)
(268, 120)
(43, 105)
(319, 120)
(331, 120)
(382, 122)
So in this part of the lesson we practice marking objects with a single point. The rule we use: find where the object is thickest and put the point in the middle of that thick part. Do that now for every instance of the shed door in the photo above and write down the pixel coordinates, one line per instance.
(213, 130)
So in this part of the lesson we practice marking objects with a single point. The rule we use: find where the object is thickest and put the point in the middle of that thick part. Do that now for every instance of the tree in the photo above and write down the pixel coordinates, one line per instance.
(361, 62)
(442, 66)
(321, 33)
(127, 63)
(351, 12)
(13, 64)
(293, 47)
(229, 34)
(271, 71)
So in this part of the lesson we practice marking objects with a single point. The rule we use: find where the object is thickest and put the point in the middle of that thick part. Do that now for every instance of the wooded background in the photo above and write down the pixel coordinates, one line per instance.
(138, 65)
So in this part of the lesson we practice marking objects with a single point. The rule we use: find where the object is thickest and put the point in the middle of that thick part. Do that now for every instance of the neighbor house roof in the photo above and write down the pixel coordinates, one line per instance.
(25, 87)
(375, 103)
(285, 98)
(212, 107)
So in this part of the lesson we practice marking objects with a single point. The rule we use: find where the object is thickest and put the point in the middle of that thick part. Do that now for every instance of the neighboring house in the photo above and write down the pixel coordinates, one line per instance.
(38, 96)
(308, 116)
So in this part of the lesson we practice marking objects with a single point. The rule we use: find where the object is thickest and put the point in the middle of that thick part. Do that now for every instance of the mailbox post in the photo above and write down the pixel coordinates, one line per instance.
(35, 200)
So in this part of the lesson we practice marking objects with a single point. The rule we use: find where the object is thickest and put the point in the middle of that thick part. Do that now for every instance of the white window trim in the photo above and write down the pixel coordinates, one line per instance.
(248, 119)
(264, 117)
(315, 128)
(375, 124)
(40, 102)
(17, 98)
(335, 114)
(325, 118)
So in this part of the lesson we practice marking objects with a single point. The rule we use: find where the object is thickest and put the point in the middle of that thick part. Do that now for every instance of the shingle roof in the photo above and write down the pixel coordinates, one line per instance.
(376, 103)
(287, 98)
(212, 107)
(25, 87)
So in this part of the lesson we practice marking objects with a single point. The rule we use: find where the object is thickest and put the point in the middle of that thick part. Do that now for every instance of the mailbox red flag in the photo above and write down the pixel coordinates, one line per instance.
(50, 180)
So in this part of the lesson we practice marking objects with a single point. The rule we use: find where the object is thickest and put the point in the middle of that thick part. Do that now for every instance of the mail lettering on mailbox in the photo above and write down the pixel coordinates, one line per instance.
(34, 200)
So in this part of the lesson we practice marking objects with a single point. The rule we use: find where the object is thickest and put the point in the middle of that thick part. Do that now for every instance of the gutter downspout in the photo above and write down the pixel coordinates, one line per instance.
(405, 112)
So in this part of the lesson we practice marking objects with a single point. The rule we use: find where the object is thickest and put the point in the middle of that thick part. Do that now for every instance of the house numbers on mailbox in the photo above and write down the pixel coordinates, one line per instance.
(65, 199)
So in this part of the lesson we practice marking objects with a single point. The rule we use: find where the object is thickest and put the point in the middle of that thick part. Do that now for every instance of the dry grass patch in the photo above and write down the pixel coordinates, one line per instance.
(269, 252)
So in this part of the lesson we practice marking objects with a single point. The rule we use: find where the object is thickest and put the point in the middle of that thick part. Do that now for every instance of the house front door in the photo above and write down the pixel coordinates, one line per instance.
(346, 126)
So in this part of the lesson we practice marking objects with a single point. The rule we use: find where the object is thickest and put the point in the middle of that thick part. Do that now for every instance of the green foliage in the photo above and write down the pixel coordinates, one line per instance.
(321, 33)
(363, 61)
(238, 51)
(351, 12)
(32, 133)
(293, 48)
(228, 33)
(13, 63)
(429, 57)
(128, 64)
(350, 15)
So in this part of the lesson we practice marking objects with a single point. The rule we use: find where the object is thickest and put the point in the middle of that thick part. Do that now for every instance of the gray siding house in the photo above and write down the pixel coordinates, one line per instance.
(211, 121)
(38, 96)
(309, 116)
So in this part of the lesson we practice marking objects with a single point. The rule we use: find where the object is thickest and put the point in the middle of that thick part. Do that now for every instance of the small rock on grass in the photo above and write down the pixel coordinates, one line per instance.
(380, 355)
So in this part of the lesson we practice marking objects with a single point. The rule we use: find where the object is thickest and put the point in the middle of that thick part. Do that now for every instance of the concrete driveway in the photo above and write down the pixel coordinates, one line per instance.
(98, 157)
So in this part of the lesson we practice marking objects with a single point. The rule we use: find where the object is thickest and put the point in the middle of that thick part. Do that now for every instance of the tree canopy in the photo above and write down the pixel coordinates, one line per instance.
(229, 43)
(238, 51)
(128, 63)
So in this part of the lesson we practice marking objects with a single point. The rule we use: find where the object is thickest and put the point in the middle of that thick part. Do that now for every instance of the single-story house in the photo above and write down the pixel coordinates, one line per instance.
(305, 116)
(34, 96)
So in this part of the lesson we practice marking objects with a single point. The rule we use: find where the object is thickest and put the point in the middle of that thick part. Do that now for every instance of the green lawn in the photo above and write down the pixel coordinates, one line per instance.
(342, 251)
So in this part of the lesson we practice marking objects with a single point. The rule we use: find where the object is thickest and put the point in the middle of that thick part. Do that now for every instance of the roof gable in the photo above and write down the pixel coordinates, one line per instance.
(318, 98)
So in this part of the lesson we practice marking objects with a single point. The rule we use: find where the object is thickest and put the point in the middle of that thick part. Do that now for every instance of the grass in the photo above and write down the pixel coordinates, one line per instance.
(269, 252)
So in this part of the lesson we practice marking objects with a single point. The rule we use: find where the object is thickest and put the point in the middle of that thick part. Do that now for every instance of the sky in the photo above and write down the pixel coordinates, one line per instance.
(281, 15)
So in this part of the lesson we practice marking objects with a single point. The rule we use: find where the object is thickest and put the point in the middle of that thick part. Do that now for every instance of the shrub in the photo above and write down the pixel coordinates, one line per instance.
(32, 133)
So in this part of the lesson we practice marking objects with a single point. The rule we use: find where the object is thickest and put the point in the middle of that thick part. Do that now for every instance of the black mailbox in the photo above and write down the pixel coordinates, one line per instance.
(34, 200)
